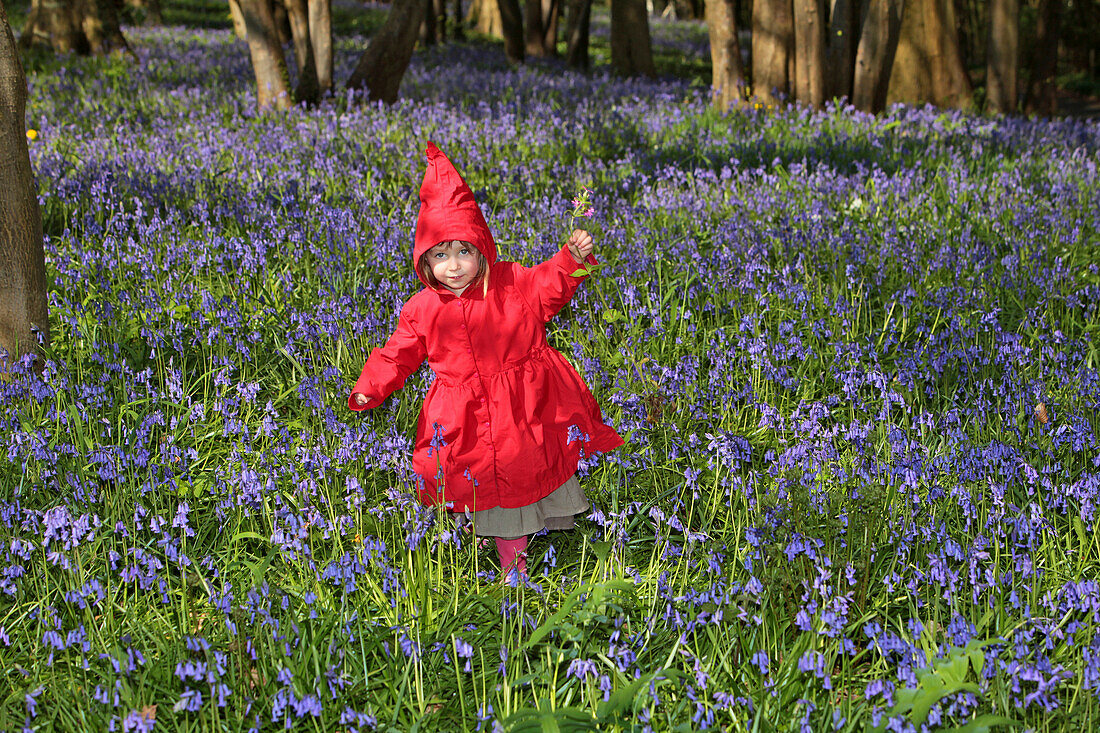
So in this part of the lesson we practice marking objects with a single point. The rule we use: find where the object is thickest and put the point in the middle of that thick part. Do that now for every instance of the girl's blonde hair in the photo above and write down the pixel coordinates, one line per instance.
(482, 268)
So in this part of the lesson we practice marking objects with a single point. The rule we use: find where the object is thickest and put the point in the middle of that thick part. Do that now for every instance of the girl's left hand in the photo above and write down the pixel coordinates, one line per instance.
(580, 245)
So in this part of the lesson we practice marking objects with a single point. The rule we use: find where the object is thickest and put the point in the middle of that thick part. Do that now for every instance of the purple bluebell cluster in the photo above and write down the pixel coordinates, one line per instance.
(827, 337)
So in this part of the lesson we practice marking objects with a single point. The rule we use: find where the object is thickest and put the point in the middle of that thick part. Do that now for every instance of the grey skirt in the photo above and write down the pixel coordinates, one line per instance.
(554, 511)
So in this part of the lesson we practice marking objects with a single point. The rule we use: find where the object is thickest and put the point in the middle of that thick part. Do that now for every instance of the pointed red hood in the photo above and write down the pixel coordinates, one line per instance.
(448, 211)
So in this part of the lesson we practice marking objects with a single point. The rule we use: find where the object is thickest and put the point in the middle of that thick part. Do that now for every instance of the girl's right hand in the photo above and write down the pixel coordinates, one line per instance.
(360, 398)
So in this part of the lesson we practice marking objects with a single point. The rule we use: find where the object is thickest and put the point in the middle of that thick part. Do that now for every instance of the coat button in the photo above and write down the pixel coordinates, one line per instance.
(483, 400)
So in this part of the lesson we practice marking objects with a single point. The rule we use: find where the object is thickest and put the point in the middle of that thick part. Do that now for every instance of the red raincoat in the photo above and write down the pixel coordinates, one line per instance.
(512, 414)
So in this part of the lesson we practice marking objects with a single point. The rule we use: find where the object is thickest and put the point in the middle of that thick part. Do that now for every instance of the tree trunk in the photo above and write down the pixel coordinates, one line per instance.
(840, 48)
(146, 12)
(24, 318)
(878, 43)
(511, 21)
(928, 65)
(1002, 52)
(320, 36)
(439, 8)
(728, 75)
(100, 23)
(308, 91)
(809, 45)
(81, 26)
(772, 48)
(383, 64)
(484, 15)
(534, 36)
(282, 21)
(458, 31)
(577, 20)
(631, 52)
(239, 28)
(54, 25)
(268, 62)
(551, 10)
(429, 31)
(1041, 97)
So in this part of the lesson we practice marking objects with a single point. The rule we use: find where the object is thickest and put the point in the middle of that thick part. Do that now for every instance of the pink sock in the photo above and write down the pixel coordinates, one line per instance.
(513, 554)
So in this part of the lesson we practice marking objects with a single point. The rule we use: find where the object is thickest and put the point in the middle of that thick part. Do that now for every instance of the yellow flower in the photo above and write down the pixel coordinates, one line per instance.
(32, 134)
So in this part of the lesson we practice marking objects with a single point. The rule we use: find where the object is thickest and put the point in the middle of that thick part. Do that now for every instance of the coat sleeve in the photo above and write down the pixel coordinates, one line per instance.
(389, 366)
(549, 286)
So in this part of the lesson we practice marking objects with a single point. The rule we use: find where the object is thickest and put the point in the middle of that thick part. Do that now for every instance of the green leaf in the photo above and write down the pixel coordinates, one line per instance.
(582, 272)
(611, 315)
(621, 701)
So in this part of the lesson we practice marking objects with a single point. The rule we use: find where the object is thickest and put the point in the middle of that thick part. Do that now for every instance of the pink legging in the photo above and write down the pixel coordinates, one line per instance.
(513, 554)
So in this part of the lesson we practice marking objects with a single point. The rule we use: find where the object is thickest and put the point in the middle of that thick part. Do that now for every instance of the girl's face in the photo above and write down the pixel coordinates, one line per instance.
(454, 264)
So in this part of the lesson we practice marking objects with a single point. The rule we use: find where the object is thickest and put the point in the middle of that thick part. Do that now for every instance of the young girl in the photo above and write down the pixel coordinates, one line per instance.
(507, 418)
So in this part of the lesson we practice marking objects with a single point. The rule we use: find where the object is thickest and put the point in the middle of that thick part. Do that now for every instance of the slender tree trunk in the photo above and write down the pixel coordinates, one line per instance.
(441, 30)
(429, 31)
(24, 318)
(577, 20)
(268, 62)
(239, 28)
(308, 91)
(534, 36)
(841, 44)
(928, 65)
(551, 10)
(1002, 54)
(772, 48)
(1041, 97)
(728, 75)
(809, 44)
(878, 43)
(458, 31)
(631, 52)
(146, 12)
(383, 64)
(320, 36)
(511, 21)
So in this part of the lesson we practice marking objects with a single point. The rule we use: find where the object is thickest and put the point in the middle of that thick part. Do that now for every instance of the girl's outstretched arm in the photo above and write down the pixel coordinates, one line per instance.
(388, 367)
(550, 285)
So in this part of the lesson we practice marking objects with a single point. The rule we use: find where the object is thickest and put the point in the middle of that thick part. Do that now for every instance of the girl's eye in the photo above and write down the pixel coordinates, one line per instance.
(464, 251)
